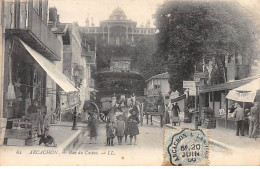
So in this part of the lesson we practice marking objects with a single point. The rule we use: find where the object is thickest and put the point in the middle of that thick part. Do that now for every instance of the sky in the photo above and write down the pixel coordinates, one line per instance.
(79, 10)
(136, 10)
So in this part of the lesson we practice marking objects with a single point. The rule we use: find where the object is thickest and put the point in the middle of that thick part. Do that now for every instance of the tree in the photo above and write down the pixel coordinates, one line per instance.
(193, 31)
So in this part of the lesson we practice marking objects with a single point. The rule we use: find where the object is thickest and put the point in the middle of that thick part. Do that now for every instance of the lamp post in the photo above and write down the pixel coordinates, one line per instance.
(76, 75)
(197, 80)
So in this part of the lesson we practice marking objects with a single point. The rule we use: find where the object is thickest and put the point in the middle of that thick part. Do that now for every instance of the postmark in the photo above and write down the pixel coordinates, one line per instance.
(186, 147)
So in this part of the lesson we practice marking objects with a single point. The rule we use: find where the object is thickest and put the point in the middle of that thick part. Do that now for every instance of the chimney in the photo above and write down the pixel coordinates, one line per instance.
(53, 18)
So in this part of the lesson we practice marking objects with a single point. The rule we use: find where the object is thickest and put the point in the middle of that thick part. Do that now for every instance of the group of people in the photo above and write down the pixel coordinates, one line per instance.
(119, 125)
(170, 112)
(241, 116)
(123, 127)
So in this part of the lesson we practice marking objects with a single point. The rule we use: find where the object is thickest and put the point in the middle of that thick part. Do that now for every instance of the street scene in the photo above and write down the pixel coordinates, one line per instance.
(107, 80)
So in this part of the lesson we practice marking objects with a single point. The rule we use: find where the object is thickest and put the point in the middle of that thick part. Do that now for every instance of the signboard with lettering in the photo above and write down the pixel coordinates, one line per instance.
(189, 84)
(69, 100)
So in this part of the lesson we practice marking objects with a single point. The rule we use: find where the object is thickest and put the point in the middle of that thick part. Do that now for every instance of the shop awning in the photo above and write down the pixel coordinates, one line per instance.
(246, 93)
(51, 70)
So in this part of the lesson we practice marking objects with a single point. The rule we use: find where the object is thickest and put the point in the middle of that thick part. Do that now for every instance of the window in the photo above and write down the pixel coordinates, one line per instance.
(36, 5)
(156, 86)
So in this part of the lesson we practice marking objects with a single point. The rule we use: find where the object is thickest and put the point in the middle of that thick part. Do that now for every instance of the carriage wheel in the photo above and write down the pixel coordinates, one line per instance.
(104, 116)
(93, 108)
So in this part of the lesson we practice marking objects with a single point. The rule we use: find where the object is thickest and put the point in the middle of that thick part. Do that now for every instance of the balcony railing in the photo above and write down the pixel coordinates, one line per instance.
(24, 21)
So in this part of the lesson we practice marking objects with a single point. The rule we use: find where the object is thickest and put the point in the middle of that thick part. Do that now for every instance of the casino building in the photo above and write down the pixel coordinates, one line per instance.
(116, 35)
(118, 30)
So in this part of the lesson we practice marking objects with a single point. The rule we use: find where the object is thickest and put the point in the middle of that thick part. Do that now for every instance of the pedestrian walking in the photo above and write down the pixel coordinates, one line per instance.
(120, 129)
(133, 122)
(110, 132)
(253, 120)
(175, 113)
(240, 119)
(93, 127)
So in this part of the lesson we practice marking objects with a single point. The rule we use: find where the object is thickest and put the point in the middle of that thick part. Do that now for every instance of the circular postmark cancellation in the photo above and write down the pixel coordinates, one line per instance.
(186, 147)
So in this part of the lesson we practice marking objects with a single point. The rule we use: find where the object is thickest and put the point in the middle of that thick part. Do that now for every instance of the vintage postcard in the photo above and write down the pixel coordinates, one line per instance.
(129, 82)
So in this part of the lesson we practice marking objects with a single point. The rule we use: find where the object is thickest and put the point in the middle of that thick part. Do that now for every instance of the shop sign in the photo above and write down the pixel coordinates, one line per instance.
(73, 99)
(189, 84)
(244, 97)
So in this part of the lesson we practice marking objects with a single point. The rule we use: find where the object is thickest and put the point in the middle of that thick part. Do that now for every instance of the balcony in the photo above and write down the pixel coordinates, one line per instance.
(91, 83)
(24, 22)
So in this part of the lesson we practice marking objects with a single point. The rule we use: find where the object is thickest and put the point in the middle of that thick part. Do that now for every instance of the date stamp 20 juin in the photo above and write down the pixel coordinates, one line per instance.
(186, 147)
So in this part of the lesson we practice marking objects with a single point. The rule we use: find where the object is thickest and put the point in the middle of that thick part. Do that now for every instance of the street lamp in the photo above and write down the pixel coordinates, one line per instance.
(76, 72)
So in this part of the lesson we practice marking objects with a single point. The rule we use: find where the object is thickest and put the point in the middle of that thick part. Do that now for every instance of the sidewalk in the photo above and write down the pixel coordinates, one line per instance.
(64, 135)
(223, 137)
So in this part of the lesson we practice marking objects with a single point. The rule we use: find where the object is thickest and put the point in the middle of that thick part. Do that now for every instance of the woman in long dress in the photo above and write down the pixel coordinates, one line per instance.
(93, 127)
(133, 122)
(175, 114)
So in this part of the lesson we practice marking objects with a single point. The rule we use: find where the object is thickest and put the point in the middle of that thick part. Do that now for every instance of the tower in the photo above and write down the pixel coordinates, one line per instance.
(87, 22)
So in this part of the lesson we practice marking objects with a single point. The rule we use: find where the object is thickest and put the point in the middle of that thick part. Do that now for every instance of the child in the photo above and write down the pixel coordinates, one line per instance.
(133, 121)
(93, 127)
(120, 128)
(110, 128)
(47, 140)
(125, 117)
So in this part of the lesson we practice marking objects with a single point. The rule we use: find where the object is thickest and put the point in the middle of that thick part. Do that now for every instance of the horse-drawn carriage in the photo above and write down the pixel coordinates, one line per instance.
(104, 107)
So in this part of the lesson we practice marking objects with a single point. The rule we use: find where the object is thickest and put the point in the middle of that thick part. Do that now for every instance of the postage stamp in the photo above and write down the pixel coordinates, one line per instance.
(186, 147)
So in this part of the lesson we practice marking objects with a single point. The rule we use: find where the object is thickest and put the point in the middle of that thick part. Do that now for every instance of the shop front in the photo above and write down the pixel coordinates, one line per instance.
(214, 97)
(25, 106)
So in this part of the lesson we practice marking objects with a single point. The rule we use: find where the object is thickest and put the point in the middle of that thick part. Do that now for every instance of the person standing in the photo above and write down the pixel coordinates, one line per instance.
(253, 120)
(110, 132)
(120, 128)
(175, 113)
(125, 117)
(133, 122)
(240, 119)
(161, 109)
(93, 127)
(167, 116)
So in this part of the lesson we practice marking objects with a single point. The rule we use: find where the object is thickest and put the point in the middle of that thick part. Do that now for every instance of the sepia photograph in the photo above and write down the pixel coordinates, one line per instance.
(129, 82)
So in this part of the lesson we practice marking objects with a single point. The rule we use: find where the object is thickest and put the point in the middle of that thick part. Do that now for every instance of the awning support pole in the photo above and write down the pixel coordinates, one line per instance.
(226, 91)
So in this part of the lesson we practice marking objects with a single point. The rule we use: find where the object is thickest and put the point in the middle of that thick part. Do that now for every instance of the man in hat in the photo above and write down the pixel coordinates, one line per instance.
(240, 120)
(253, 120)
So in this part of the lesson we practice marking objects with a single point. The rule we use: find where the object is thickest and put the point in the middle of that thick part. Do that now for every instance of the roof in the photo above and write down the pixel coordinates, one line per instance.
(160, 76)
(61, 28)
(227, 85)
(118, 12)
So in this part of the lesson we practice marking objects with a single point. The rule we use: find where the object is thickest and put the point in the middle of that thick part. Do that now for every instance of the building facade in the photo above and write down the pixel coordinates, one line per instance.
(75, 58)
(118, 30)
(31, 61)
(237, 71)
(156, 84)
